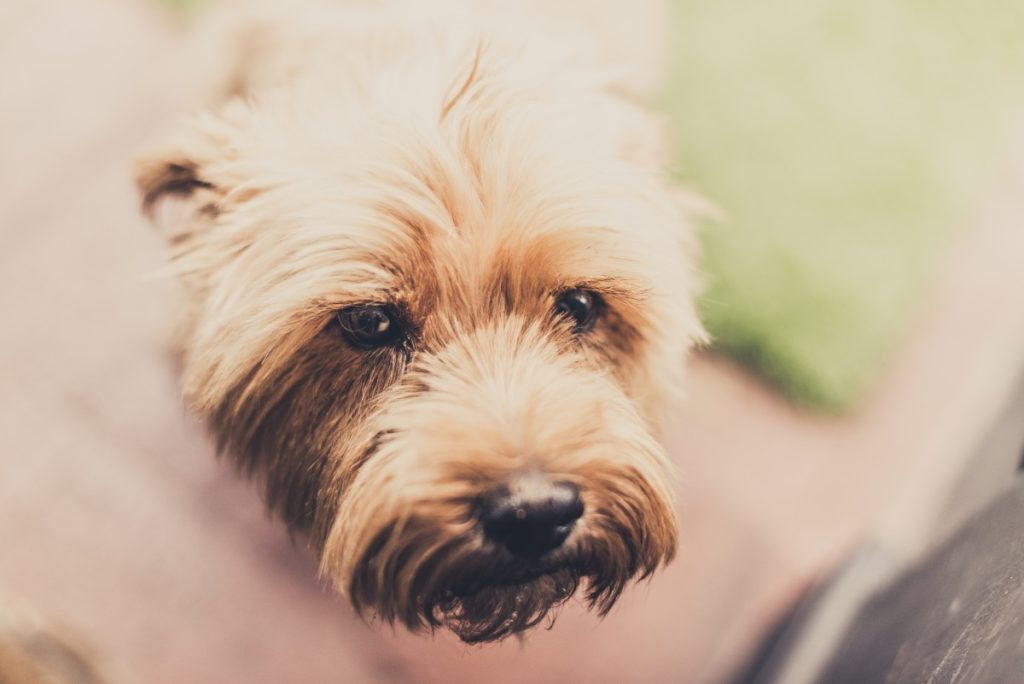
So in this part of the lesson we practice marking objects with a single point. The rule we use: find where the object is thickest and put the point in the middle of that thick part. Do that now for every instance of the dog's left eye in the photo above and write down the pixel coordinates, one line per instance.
(581, 306)
(368, 326)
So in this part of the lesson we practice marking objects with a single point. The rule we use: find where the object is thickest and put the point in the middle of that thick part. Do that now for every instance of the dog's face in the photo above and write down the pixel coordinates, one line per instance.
(440, 336)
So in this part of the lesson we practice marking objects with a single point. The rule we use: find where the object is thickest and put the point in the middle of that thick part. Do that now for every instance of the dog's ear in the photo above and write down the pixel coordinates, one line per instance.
(176, 189)
(172, 189)
(183, 182)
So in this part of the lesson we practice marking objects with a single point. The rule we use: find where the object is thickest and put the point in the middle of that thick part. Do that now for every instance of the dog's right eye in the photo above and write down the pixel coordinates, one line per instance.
(369, 326)
(581, 306)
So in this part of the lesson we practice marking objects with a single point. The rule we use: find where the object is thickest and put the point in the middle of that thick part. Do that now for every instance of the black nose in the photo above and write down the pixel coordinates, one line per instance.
(531, 516)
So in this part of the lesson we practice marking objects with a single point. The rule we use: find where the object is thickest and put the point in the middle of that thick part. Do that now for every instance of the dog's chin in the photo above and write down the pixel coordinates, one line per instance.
(424, 574)
(488, 595)
(479, 612)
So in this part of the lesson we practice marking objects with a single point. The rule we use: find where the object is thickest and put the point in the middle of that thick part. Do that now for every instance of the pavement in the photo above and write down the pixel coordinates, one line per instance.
(120, 525)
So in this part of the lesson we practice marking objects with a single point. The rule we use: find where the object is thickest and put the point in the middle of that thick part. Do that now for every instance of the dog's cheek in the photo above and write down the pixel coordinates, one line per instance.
(616, 344)
(628, 487)
(294, 431)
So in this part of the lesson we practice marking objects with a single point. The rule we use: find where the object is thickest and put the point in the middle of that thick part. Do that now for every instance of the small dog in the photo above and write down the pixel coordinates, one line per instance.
(436, 294)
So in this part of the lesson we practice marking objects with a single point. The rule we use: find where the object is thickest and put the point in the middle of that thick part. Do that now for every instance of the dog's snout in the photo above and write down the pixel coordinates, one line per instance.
(531, 517)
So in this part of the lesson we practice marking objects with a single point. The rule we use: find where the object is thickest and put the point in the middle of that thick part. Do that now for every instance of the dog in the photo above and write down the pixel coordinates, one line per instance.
(437, 292)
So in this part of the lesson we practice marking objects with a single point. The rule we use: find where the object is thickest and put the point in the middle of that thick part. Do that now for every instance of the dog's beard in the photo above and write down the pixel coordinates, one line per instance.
(426, 576)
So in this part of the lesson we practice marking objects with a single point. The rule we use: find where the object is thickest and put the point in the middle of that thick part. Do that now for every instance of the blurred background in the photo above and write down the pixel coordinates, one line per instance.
(865, 292)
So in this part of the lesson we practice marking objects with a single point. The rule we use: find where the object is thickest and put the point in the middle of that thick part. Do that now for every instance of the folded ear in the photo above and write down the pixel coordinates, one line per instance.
(174, 189)
(160, 178)
(184, 181)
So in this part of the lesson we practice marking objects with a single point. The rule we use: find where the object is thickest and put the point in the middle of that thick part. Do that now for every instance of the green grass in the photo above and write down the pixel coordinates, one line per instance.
(183, 5)
(843, 141)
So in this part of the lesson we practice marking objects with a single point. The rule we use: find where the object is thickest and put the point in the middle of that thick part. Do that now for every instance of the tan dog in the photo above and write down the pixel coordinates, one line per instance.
(436, 297)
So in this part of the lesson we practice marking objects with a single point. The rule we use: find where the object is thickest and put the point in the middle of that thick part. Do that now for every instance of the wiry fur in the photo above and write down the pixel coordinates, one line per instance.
(373, 154)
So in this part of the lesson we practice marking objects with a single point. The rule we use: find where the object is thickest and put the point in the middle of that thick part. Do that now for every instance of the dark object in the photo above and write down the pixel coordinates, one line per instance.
(952, 614)
(369, 326)
(580, 306)
(532, 518)
(959, 616)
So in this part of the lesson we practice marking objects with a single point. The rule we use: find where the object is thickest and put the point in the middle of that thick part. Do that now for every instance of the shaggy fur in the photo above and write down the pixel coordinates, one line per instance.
(465, 172)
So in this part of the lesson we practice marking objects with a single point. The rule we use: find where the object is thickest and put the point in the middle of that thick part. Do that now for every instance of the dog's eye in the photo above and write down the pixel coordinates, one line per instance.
(369, 326)
(580, 306)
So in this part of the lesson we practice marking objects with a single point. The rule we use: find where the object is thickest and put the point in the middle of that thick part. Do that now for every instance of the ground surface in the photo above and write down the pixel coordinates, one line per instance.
(117, 521)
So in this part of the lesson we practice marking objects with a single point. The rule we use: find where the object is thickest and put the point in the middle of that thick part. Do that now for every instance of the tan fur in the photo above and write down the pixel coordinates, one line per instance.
(465, 172)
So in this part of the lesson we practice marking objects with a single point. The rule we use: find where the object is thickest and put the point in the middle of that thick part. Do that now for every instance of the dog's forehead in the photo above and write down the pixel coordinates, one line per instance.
(461, 225)
(510, 196)
(482, 216)
(499, 249)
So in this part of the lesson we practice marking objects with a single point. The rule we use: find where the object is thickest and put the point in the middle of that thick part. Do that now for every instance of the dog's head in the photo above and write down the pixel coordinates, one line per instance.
(439, 328)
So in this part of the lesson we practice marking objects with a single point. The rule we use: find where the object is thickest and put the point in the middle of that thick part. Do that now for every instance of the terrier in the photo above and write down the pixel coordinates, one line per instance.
(437, 291)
